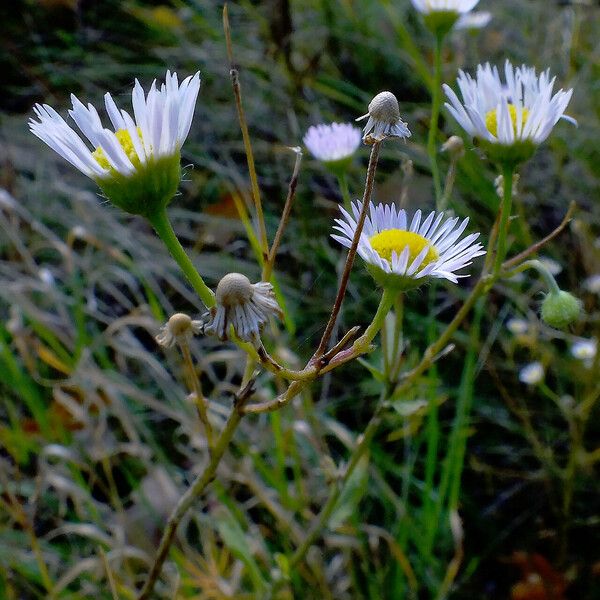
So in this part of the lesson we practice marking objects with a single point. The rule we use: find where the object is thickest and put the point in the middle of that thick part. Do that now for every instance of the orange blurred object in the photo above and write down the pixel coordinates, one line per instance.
(539, 580)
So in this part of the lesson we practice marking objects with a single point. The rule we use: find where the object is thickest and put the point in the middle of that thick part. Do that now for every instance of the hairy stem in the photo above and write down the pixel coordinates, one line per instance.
(352, 252)
(507, 173)
(162, 225)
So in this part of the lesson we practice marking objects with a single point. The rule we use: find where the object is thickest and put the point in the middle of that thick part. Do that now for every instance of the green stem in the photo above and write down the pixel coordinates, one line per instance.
(507, 173)
(385, 304)
(343, 183)
(436, 102)
(162, 225)
(542, 270)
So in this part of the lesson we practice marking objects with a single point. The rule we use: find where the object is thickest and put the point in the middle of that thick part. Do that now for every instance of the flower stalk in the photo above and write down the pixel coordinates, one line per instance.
(160, 221)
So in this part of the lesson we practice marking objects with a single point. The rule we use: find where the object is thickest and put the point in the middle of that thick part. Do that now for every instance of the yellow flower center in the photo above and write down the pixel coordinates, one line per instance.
(491, 119)
(395, 240)
(124, 138)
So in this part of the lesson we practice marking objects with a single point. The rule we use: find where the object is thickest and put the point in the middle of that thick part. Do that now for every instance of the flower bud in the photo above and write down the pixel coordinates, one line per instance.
(560, 309)
(455, 146)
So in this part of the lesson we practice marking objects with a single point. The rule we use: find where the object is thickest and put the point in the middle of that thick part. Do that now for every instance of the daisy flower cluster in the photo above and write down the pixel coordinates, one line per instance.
(401, 253)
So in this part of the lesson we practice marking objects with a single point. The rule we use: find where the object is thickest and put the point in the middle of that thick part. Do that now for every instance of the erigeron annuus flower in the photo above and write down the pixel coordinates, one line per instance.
(136, 165)
(247, 306)
(473, 20)
(532, 374)
(441, 15)
(384, 119)
(400, 253)
(584, 349)
(333, 144)
(509, 118)
(458, 6)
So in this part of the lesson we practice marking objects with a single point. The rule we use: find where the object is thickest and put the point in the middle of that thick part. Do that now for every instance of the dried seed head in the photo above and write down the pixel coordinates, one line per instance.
(384, 119)
(384, 107)
(245, 306)
(180, 327)
(455, 146)
(234, 289)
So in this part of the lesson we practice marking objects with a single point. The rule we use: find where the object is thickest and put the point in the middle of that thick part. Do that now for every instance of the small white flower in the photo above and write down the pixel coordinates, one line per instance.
(384, 119)
(144, 149)
(430, 6)
(179, 328)
(517, 326)
(334, 142)
(553, 266)
(247, 306)
(400, 253)
(532, 374)
(474, 20)
(584, 349)
(592, 284)
(523, 109)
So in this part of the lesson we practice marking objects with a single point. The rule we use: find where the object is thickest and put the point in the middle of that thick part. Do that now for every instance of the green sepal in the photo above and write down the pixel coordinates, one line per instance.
(148, 190)
(440, 22)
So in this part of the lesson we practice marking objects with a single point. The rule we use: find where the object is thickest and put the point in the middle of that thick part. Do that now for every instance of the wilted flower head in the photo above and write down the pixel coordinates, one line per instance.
(333, 144)
(247, 306)
(400, 254)
(384, 119)
(511, 118)
(532, 374)
(455, 146)
(137, 164)
(179, 328)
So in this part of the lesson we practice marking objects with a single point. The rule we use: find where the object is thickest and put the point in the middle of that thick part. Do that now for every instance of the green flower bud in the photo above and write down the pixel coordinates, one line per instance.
(560, 309)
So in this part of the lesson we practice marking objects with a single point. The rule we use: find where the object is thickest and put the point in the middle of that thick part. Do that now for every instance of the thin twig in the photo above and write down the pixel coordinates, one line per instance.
(351, 253)
(237, 90)
(270, 262)
(198, 486)
(509, 264)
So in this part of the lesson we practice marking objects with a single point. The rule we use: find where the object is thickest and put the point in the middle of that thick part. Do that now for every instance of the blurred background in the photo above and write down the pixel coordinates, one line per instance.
(97, 440)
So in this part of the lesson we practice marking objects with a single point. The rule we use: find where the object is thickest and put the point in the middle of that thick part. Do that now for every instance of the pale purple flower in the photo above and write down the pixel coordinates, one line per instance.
(333, 142)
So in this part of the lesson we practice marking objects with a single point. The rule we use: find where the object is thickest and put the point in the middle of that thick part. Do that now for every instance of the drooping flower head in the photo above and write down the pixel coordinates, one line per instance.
(384, 119)
(509, 118)
(247, 306)
(137, 164)
(441, 15)
(180, 328)
(333, 144)
(400, 253)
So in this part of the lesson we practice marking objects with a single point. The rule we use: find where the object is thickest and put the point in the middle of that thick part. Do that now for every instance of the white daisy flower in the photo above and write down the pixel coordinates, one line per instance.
(517, 326)
(179, 328)
(384, 119)
(400, 254)
(430, 6)
(247, 306)
(334, 143)
(532, 374)
(510, 118)
(441, 15)
(137, 164)
(592, 284)
(584, 349)
(473, 20)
